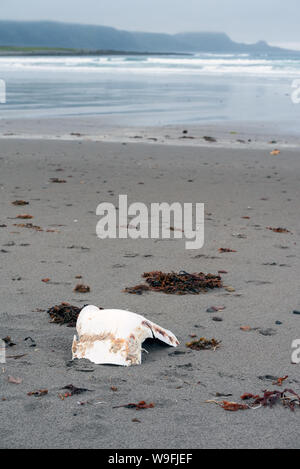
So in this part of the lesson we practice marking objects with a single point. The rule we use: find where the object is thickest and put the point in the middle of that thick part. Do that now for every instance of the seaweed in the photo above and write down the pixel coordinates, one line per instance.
(80, 288)
(287, 398)
(139, 406)
(64, 314)
(74, 390)
(203, 344)
(58, 181)
(20, 202)
(278, 230)
(32, 341)
(181, 283)
(8, 341)
(137, 289)
(25, 216)
(28, 225)
(39, 393)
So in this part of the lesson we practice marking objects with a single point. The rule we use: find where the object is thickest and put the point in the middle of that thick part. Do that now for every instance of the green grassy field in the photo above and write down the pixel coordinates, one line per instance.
(35, 49)
(28, 51)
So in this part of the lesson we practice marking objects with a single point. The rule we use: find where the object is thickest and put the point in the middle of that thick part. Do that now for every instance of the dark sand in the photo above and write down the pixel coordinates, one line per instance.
(233, 183)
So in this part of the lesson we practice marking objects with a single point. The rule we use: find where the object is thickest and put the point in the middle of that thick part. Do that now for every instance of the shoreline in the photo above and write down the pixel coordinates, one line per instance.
(94, 129)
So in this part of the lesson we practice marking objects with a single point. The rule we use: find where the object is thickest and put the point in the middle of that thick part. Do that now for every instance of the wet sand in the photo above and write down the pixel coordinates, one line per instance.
(245, 190)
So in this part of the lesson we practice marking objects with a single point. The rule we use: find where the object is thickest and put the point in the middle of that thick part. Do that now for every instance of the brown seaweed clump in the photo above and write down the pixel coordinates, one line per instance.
(204, 344)
(57, 180)
(278, 230)
(80, 288)
(137, 289)
(25, 216)
(287, 398)
(139, 406)
(20, 202)
(28, 225)
(64, 314)
(180, 284)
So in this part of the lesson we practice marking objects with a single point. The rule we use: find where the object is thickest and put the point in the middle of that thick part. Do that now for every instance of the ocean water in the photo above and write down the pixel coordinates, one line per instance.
(153, 90)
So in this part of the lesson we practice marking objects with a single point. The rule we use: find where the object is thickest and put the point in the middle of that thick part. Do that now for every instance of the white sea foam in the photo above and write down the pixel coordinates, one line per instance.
(195, 65)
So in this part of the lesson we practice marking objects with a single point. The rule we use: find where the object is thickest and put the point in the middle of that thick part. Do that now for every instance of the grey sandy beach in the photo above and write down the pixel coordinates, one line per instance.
(245, 190)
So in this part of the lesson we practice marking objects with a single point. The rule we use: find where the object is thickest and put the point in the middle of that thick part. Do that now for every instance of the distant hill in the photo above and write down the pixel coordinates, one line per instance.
(48, 34)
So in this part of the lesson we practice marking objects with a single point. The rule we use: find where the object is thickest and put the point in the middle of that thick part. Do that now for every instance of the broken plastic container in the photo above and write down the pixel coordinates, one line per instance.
(113, 336)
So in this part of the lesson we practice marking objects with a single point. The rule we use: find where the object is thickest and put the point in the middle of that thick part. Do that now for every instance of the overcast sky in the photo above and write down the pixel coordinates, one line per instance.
(276, 21)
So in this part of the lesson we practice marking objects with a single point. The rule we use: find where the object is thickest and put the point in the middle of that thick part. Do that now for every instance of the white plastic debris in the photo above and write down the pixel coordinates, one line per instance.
(113, 336)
